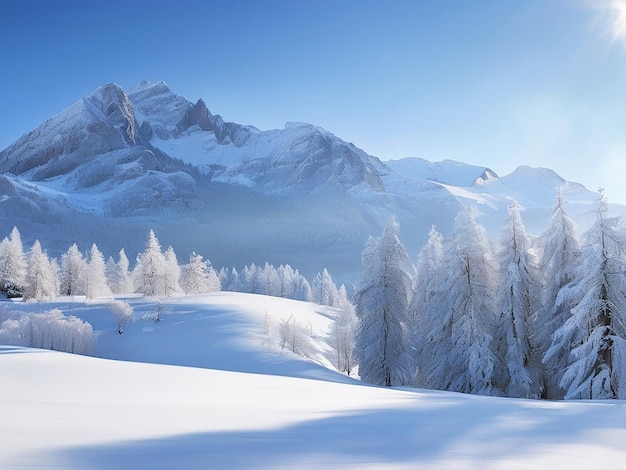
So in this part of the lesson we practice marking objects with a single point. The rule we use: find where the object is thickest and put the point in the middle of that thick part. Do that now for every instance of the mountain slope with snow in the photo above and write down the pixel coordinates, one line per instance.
(247, 403)
(116, 164)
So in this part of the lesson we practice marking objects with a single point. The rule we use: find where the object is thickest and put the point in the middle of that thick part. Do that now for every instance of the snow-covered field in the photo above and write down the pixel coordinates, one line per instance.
(210, 386)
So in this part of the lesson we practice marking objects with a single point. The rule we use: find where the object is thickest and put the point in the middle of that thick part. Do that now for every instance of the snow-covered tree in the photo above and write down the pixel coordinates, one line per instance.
(149, 272)
(248, 279)
(596, 329)
(558, 264)
(171, 273)
(96, 275)
(122, 312)
(430, 335)
(198, 276)
(302, 289)
(343, 332)
(324, 289)
(470, 362)
(295, 337)
(47, 330)
(12, 265)
(381, 306)
(267, 281)
(118, 275)
(40, 280)
(520, 361)
(73, 272)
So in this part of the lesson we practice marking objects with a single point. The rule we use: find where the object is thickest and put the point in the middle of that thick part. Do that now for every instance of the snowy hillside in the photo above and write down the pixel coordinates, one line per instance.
(248, 403)
(116, 164)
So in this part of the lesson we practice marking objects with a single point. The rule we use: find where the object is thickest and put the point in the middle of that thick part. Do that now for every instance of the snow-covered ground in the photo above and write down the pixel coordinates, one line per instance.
(210, 386)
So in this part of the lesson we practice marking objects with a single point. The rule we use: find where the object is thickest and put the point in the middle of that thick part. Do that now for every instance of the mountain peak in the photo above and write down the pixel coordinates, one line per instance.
(116, 107)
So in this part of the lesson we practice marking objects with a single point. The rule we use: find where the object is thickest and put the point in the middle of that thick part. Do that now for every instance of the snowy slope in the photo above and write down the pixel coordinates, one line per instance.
(249, 404)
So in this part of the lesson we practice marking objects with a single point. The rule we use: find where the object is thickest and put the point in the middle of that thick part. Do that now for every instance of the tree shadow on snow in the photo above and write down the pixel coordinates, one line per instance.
(437, 429)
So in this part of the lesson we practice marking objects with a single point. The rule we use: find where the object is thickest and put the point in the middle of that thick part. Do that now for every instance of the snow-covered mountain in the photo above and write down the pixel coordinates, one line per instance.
(117, 163)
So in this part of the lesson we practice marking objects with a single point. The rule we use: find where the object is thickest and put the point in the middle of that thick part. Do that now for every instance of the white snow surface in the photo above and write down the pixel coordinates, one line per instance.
(209, 386)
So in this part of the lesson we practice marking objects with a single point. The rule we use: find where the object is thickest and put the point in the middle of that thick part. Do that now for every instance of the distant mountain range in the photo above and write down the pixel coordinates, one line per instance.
(117, 163)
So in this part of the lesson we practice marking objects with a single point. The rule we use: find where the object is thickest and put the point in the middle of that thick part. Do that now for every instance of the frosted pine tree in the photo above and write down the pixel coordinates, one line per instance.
(520, 361)
(268, 281)
(149, 272)
(73, 272)
(96, 275)
(12, 265)
(40, 280)
(470, 362)
(287, 277)
(171, 273)
(430, 333)
(559, 263)
(302, 288)
(597, 327)
(324, 289)
(381, 306)
(198, 277)
(118, 275)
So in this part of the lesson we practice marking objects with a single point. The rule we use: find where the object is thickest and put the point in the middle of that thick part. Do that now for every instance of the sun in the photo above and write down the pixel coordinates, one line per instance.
(612, 18)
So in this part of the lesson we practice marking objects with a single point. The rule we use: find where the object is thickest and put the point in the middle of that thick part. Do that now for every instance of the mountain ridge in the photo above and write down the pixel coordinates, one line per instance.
(149, 158)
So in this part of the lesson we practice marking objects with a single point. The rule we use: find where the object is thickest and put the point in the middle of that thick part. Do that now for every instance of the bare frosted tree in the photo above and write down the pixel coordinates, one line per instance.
(122, 312)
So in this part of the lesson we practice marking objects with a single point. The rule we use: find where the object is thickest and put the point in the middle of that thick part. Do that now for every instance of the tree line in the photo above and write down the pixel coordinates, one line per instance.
(525, 317)
(33, 276)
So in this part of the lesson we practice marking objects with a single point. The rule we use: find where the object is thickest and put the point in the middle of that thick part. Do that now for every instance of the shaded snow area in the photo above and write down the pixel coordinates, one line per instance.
(214, 384)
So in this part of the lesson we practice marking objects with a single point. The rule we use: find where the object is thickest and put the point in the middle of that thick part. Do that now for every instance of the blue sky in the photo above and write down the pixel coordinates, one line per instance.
(492, 82)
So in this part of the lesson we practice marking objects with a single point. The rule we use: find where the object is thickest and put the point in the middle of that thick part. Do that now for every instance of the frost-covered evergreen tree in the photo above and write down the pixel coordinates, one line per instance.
(96, 275)
(470, 361)
(171, 273)
(381, 306)
(520, 361)
(149, 272)
(40, 280)
(559, 263)
(267, 281)
(73, 272)
(119, 276)
(324, 289)
(302, 288)
(233, 281)
(596, 329)
(198, 276)
(430, 334)
(12, 265)
(287, 277)
(248, 279)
